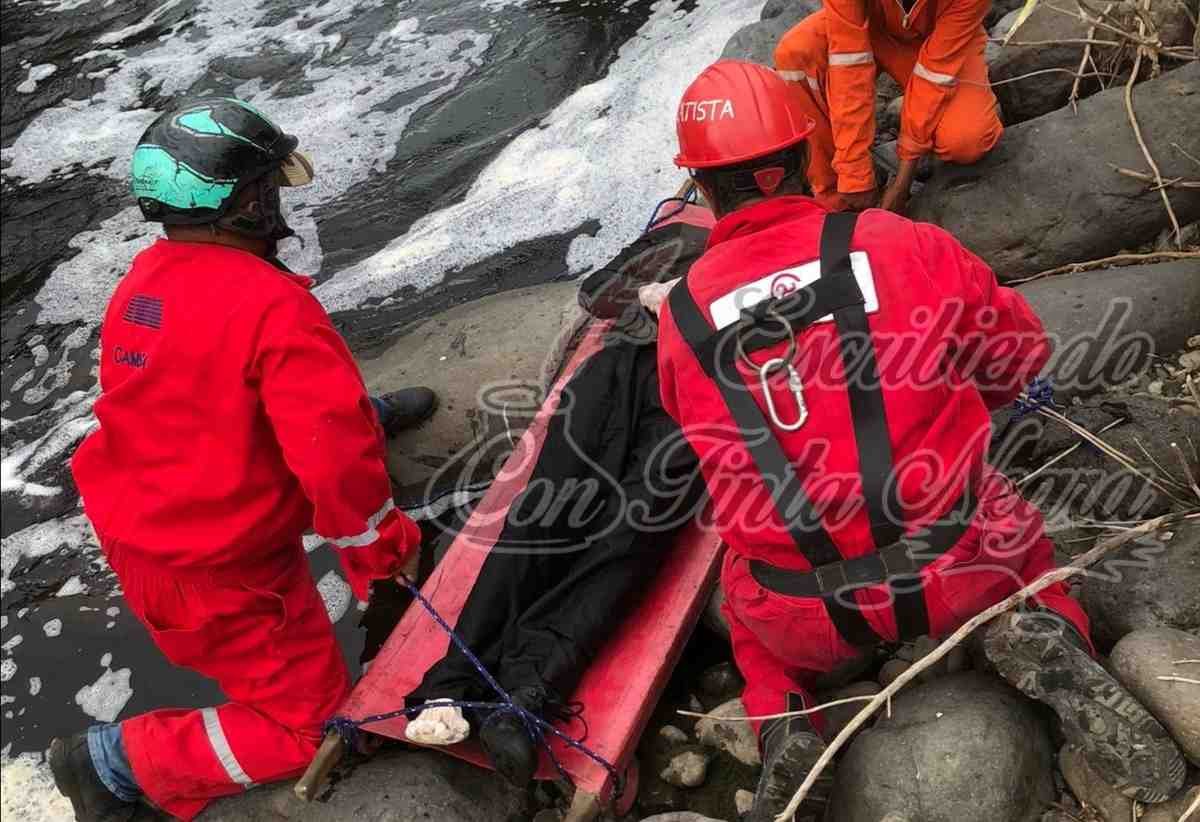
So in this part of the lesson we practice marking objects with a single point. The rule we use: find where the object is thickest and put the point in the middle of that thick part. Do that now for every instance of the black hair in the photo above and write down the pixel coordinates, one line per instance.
(735, 185)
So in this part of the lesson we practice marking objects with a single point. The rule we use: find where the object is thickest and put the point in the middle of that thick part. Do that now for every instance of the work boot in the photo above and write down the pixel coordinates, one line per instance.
(1042, 655)
(790, 749)
(76, 778)
(406, 408)
(506, 740)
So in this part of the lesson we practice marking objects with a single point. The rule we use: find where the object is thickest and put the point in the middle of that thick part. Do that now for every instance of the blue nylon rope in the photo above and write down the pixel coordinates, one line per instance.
(535, 725)
(1039, 394)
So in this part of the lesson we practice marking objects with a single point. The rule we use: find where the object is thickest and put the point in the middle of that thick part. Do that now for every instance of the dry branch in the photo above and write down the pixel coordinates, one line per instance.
(1106, 262)
(1044, 581)
(1137, 131)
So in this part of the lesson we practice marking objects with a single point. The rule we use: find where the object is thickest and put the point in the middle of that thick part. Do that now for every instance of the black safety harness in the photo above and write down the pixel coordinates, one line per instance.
(898, 558)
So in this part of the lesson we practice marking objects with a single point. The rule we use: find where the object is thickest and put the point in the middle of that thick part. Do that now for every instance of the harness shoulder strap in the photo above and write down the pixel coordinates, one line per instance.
(863, 388)
(791, 502)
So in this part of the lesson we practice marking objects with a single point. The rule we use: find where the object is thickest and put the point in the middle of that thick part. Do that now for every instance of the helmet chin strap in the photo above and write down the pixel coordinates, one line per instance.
(262, 217)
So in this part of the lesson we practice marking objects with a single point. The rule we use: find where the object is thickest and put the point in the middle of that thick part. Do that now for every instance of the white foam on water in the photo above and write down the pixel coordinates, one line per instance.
(53, 628)
(35, 685)
(105, 698)
(334, 121)
(112, 612)
(44, 538)
(19, 460)
(8, 670)
(79, 288)
(36, 75)
(27, 792)
(603, 154)
(13, 642)
(72, 587)
(336, 594)
(106, 660)
(113, 38)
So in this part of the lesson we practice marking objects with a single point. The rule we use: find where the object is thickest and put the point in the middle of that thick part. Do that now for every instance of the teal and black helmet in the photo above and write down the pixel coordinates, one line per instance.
(192, 164)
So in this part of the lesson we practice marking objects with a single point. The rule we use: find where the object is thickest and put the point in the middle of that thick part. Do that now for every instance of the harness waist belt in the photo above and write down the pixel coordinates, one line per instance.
(903, 558)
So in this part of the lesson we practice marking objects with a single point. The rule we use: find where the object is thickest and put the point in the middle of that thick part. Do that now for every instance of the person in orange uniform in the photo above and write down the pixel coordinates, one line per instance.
(932, 48)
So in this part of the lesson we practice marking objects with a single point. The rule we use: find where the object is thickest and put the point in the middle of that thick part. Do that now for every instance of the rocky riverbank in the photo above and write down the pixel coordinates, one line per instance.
(959, 744)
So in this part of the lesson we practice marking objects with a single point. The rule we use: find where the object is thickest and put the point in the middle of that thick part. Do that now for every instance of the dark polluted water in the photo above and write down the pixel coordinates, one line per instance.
(462, 148)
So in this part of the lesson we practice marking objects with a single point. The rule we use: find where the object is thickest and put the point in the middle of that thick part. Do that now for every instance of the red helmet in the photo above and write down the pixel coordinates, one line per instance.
(736, 111)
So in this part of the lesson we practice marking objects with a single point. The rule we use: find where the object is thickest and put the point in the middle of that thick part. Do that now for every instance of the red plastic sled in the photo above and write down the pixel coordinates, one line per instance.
(620, 689)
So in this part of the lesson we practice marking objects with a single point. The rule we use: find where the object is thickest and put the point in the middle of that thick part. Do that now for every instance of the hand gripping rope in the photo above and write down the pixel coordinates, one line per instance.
(535, 726)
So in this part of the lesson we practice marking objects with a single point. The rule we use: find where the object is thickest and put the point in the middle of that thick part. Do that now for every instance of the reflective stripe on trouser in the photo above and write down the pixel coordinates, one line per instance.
(271, 648)
(969, 124)
(783, 644)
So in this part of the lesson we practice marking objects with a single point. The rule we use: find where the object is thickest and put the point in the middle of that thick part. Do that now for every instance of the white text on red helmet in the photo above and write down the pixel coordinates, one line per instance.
(701, 110)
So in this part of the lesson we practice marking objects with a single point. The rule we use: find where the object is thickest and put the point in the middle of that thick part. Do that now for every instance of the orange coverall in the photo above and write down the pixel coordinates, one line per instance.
(934, 50)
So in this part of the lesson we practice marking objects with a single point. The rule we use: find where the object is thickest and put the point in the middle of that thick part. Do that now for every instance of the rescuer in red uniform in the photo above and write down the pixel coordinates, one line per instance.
(834, 374)
(232, 419)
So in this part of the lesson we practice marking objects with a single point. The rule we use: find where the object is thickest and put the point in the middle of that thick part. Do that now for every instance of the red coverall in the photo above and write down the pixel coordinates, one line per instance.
(950, 345)
(934, 50)
(232, 419)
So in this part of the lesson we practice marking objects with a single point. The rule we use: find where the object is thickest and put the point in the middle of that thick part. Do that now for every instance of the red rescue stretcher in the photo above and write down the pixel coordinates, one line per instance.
(618, 692)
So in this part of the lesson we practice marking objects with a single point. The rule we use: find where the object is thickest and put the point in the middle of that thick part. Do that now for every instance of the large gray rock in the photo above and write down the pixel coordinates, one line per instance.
(1088, 483)
(1147, 585)
(1047, 195)
(966, 748)
(1090, 788)
(733, 736)
(756, 42)
(1106, 326)
(1142, 657)
(1052, 32)
(487, 360)
(396, 786)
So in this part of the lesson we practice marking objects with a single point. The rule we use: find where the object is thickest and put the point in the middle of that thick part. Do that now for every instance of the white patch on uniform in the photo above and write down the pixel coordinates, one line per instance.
(336, 594)
(728, 308)
(53, 627)
(105, 698)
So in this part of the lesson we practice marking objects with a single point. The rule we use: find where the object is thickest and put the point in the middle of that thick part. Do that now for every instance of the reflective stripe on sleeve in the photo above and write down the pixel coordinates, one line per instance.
(934, 76)
(799, 76)
(220, 746)
(851, 58)
(370, 535)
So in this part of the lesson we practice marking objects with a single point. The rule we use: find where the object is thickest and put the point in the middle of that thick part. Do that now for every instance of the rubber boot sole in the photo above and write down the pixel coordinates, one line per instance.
(1124, 744)
(782, 776)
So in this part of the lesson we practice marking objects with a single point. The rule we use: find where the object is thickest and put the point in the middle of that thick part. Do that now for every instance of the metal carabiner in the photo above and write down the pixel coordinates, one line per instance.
(788, 356)
(794, 385)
